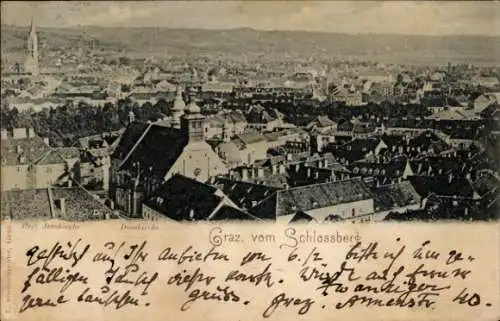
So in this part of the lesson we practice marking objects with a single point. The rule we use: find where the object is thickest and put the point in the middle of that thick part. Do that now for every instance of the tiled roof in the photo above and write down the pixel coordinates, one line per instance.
(51, 157)
(23, 151)
(185, 199)
(290, 132)
(157, 150)
(305, 198)
(441, 185)
(356, 149)
(395, 195)
(230, 117)
(35, 204)
(241, 193)
(486, 183)
(301, 217)
(249, 137)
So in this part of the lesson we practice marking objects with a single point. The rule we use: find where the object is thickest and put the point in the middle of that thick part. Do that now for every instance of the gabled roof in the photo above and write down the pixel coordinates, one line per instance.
(23, 151)
(33, 151)
(129, 138)
(185, 199)
(249, 137)
(301, 217)
(356, 149)
(157, 150)
(242, 193)
(441, 185)
(229, 213)
(232, 117)
(391, 196)
(305, 198)
(80, 205)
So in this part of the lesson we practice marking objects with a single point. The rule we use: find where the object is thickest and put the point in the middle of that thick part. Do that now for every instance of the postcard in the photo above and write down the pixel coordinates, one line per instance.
(250, 160)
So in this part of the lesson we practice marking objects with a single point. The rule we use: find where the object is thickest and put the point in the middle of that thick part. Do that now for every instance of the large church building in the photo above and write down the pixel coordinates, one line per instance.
(147, 155)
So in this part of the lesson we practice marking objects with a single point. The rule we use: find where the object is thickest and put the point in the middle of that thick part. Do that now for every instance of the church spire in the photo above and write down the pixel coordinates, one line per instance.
(31, 62)
(32, 26)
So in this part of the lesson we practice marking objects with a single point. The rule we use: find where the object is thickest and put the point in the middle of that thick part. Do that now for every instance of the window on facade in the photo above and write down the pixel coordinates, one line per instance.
(353, 212)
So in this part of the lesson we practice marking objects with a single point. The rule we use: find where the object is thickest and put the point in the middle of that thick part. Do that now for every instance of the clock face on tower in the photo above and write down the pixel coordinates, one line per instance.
(197, 171)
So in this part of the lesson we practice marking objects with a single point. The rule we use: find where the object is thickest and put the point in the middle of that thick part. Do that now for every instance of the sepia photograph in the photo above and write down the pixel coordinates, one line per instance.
(299, 113)
(225, 160)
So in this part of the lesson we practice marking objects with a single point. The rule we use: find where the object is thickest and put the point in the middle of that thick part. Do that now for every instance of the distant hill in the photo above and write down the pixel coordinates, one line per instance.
(274, 44)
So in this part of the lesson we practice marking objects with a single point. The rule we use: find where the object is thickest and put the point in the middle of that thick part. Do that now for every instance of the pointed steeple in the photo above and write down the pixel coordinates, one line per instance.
(31, 62)
(32, 26)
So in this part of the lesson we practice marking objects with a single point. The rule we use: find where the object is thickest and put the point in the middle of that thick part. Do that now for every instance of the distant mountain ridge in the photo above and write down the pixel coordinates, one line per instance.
(250, 42)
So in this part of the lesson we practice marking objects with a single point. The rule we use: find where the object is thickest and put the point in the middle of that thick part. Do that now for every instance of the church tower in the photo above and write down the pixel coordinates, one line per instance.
(31, 62)
(178, 109)
(192, 122)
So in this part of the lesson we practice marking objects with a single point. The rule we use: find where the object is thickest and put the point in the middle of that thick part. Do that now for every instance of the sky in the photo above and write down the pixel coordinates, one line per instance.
(388, 17)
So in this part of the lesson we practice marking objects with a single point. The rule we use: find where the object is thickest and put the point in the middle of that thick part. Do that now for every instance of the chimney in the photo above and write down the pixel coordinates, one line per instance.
(46, 141)
(61, 205)
(244, 173)
(31, 133)
(19, 133)
(325, 162)
(19, 149)
(289, 156)
(4, 134)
